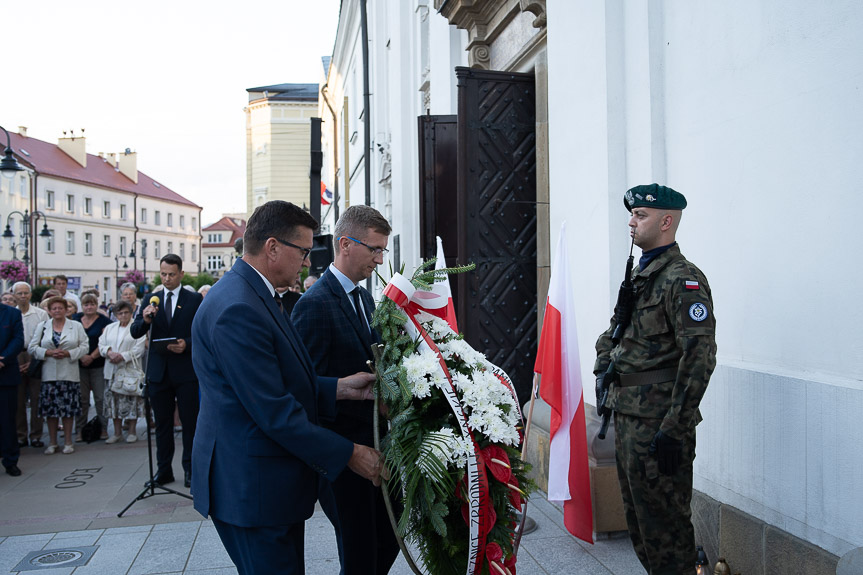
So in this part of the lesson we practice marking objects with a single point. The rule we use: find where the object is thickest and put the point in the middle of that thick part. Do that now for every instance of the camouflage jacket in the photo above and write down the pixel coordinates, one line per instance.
(672, 326)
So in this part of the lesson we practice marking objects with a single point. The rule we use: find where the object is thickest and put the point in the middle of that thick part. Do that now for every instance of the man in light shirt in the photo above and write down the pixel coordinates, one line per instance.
(31, 317)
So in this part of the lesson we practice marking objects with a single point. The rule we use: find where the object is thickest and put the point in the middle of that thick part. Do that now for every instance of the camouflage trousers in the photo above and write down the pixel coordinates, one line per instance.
(657, 506)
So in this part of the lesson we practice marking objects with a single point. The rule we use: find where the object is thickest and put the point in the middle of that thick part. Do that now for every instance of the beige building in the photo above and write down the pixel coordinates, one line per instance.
(277, 143)
(101, 212)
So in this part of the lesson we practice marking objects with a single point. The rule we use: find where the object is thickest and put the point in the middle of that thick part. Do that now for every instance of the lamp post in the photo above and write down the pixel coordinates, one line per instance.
(117, 273)
(27, 220)
(134, 256)
(9, 165)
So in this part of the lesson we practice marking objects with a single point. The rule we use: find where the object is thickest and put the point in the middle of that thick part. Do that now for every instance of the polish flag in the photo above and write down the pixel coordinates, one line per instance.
(450, 308)
(561, 387)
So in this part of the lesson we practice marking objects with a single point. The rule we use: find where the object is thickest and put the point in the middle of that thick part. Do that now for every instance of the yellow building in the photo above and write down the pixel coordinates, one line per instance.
(277, 143)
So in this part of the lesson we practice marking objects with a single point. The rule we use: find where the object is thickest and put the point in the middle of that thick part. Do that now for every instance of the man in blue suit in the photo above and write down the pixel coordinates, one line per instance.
(259, 448)
(11, 344)
(334, 320)
(170, 374)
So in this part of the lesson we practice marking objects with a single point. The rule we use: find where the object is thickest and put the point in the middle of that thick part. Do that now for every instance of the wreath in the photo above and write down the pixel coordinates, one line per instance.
(454, 438)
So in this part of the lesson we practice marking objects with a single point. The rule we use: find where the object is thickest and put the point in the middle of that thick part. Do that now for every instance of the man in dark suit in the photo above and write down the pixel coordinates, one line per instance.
(260, 449)
(334, 320)
(171, 376)
(11, 344)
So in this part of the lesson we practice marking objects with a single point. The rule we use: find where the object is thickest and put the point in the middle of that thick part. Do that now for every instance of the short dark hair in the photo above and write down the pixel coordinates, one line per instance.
(122, 305)
(60, 277)
(172, 260)
(356, 220)
(275, 219)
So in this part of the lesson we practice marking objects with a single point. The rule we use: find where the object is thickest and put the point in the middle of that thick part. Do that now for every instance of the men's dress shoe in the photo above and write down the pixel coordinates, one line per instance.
(13, 471)
(187, 482)
(164, 478)
(22, 443)
(37, 443)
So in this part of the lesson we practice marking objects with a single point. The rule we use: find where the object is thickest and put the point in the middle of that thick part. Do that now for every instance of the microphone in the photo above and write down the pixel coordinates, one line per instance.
(154, 301)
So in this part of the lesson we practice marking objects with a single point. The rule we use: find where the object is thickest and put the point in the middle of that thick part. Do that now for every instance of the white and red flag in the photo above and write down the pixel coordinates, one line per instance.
(450, 308)
(561, 387)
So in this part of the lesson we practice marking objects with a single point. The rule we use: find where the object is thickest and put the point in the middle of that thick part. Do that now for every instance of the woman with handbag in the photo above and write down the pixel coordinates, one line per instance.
(59, 342)
(123, 375)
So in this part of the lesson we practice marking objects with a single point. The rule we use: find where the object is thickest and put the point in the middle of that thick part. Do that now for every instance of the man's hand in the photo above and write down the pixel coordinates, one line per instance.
(149, 313)
(178, 347)
(668, 452)
(356, 386)
(86, 360)
(368, 463)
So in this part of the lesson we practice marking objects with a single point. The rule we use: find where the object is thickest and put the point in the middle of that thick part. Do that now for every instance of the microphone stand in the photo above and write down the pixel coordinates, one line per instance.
(150, 487)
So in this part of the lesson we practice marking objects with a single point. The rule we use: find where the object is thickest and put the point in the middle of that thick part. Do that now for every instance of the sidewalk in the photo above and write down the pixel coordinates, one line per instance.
(72, 501)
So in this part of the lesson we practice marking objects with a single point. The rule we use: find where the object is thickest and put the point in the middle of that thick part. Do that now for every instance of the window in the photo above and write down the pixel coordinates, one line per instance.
(106, 209)
(194, 224)
(214, 238)
(157, 218)
(88, 206)
(170, 247)
(70, 203)
(182, 221)
(88, 244)
(70, 242)
(194, 253)
(170, 220)
(182, 249)
(123, 245)
(49, 199)
(143, 215)
(122, 211)
(22, 186)
(49, 243)
(157, 250)
(214, 263)
(106, 245)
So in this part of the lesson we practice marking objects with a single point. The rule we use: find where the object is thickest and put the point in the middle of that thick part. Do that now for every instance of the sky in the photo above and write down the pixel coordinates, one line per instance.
(166, 79)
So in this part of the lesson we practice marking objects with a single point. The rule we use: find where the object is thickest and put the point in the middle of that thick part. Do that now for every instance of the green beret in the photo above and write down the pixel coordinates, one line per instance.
(653, 196)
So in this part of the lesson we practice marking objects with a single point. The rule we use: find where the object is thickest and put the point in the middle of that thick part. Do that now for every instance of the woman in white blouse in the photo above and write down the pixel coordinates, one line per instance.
(120, 349)
(60, 342)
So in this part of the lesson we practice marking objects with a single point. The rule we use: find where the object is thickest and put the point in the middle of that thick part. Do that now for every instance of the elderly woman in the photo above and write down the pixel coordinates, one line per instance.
(129, 293)
(60, 342)
(120, 348)
(9, 299)
(46, 296)
(92, 365)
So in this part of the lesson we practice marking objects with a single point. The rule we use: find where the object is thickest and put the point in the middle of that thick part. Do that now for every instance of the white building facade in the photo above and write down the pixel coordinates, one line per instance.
(103, 215)
(751, 109)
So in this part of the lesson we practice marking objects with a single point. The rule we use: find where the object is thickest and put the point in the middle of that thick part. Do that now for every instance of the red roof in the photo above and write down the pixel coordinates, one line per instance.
(236, 226)
(49, 160)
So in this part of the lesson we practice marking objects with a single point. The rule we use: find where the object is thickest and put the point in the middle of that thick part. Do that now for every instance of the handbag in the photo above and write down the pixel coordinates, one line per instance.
(129, 380)
(35, 369)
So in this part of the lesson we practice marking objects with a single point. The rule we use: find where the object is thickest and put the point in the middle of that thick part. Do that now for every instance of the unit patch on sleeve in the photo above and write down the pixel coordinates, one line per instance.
(698, 311)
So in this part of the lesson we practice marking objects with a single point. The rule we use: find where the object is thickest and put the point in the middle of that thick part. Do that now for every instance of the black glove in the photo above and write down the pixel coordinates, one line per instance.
(598, 391)
(668, 452)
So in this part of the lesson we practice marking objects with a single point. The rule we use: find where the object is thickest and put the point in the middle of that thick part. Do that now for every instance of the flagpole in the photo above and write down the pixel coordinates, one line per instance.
(529, 417)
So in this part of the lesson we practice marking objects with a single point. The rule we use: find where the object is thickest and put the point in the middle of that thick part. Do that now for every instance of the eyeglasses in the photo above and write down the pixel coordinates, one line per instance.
(376, 251)
(306, 251)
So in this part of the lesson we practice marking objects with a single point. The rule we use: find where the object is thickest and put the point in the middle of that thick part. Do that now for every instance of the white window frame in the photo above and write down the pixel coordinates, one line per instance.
(70, 242)
(70, 203)
(170, 248)
(194, 253)
(106, 245)
(170, 220)
(106, 208)
(122, 246)
(88, 244)
(213, 262)
(157, 249)
(88, 206)
(182, 221)
(194, 224)
(49, 200)
(49, 242)
(122, 211)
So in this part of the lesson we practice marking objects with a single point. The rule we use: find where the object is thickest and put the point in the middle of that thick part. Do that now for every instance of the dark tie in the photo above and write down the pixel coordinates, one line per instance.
(278, 299)
(168, 307)
(355, 294)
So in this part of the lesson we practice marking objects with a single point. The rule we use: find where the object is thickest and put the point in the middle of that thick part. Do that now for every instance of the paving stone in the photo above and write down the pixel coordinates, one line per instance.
(220, 571)
(559, 555)
(116, 553)
(164, 552)
(178, 525)
(208, 551)
(77, 534)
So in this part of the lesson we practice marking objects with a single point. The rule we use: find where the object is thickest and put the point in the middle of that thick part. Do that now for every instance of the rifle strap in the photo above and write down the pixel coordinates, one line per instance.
(647, 377)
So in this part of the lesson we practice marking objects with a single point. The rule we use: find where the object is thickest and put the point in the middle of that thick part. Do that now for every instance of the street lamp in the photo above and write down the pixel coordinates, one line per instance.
(117, 272)
(27, 220)
(9, 165)
(134, 256)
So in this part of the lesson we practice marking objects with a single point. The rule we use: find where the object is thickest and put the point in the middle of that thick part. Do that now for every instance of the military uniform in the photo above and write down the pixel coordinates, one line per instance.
(665, 358)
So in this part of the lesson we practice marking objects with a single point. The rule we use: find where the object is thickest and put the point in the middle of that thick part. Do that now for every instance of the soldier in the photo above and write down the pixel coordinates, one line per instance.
(663, 364)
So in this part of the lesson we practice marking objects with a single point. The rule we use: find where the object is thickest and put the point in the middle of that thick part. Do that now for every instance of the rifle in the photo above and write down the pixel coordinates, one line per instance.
(622, 315)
